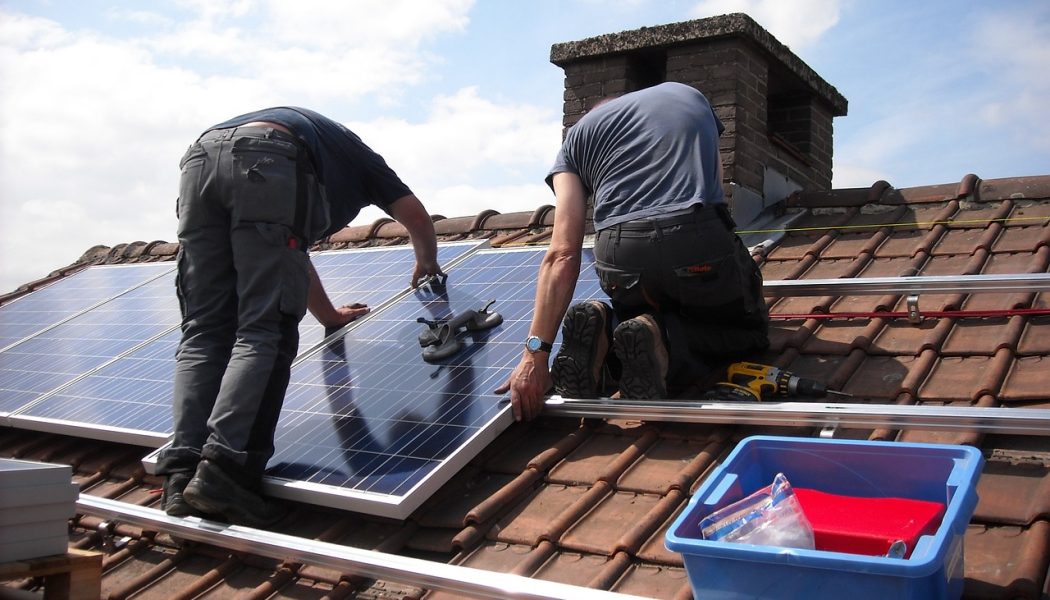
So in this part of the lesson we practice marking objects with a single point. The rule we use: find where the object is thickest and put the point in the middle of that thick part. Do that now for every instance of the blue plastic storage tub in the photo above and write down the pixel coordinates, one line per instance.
(933, 472)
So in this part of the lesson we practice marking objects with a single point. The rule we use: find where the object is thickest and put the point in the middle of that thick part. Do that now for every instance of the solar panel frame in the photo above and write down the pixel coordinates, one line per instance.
(395, 326)
(56, 411)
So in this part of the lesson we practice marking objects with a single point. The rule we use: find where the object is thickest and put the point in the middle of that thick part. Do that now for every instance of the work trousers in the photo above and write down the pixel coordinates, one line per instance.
(694, 274)
(242, 283)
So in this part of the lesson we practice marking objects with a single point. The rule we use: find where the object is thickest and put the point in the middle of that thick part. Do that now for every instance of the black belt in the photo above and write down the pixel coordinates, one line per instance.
(702, 212)
(269, 131)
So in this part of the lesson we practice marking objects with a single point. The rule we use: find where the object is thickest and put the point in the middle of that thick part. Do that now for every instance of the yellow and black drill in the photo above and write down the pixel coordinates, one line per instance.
(766, 381)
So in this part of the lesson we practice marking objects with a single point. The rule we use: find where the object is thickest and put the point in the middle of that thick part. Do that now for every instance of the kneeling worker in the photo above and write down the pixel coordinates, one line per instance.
(686, 295)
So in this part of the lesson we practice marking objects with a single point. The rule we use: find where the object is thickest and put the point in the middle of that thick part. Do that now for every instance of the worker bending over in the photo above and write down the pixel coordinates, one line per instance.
(686, 295)
(254, 193)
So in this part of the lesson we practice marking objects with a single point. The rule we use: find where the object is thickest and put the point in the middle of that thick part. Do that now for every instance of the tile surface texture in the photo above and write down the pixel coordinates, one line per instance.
(588, 502)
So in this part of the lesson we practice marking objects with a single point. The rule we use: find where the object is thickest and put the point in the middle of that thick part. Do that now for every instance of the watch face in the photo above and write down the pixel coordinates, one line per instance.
(533, 343)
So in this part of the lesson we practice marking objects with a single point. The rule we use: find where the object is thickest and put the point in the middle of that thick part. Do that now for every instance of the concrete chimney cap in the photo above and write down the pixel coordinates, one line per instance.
(691, 32)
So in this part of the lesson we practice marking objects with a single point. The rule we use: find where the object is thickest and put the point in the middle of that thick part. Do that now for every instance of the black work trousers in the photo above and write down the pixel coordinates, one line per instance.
(692, 273)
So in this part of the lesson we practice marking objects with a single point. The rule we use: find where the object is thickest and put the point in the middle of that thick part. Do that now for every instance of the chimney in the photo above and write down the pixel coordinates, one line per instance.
(777, 111)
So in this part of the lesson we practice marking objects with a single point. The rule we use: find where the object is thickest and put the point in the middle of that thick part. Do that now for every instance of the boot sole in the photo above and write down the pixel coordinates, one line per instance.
(573, 368)
(175, 505)
(178, 507)
(634, 346)
(227, 500)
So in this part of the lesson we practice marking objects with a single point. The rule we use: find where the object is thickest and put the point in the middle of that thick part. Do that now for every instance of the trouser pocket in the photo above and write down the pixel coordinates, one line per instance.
(270, 273)
(263, 187)
(709, 281)
(623, 286)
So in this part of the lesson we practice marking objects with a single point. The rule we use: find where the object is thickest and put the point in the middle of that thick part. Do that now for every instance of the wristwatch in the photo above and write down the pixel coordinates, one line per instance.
(534, 344)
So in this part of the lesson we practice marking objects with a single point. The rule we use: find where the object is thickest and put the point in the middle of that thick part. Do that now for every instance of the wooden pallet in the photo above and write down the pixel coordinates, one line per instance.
(75, 575)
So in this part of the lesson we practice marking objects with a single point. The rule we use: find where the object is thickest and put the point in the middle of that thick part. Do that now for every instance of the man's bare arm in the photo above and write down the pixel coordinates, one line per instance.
(559, 271)
(409, 211)
(321, 307)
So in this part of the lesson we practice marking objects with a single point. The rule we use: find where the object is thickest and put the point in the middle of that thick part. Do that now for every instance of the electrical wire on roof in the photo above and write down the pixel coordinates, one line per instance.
(934, 314)
(913, 224)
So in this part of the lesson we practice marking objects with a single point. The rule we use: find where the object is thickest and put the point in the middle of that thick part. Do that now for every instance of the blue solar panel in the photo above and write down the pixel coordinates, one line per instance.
(129, 399)
(370, 276)
(57, 356)
(369, 426)
(68, 296)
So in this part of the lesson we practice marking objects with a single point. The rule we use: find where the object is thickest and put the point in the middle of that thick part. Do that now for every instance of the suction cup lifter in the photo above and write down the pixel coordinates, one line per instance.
(435, 283)
(440, 340)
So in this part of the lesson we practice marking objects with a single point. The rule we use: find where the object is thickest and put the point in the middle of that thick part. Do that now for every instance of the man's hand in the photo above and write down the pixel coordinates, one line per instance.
(345, 314)
(528, 385)
(425, 269)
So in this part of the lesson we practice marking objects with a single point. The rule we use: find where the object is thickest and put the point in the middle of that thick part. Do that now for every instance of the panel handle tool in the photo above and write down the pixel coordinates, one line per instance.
(440, 339)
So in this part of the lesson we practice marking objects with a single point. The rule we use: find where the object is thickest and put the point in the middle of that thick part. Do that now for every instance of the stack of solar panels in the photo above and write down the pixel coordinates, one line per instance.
(36, 502)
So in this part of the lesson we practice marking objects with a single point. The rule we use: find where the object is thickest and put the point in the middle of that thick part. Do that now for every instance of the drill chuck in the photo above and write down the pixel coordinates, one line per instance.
(798, 386)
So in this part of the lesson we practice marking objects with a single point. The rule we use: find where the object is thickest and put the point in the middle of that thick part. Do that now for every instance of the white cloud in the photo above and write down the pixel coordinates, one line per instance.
(91, 127)
(852, 176)
(315, 49)
(140, 17)
(477, 135)
(1017, 64)
(384, 23)
(461, 200)
(798, 23)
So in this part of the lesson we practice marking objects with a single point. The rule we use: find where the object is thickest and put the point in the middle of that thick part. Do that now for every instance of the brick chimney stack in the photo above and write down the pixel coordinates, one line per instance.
(777, 111)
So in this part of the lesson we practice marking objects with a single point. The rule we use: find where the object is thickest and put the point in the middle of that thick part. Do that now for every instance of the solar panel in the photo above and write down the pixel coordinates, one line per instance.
(368, 425)
(57, 356)
(48, 306)
(129, 399)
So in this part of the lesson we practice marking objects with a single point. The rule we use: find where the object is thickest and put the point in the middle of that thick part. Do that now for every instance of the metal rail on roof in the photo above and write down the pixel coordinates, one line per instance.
(932, 284)
(1017, 421)
(345, 559)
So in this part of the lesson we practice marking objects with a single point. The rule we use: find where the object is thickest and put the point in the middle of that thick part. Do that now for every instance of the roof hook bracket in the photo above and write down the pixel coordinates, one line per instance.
(914, 316)
(105, 533)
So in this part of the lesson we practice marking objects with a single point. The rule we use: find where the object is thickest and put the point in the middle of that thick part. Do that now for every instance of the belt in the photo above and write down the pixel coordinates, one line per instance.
(702, 212)
(273, 130)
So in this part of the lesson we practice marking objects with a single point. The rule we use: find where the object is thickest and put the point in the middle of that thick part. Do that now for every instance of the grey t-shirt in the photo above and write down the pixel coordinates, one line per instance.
(645, 154)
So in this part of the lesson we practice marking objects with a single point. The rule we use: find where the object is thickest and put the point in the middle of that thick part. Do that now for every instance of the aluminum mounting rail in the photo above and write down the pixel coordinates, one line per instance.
(1022, 282)
(345, 559)
(1018, 421)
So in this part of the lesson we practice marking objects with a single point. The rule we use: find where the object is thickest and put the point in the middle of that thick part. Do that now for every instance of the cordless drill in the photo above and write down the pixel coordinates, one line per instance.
(767, 381)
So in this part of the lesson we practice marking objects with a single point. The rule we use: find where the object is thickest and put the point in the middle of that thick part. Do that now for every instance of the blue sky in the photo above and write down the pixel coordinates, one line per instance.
(100, 98)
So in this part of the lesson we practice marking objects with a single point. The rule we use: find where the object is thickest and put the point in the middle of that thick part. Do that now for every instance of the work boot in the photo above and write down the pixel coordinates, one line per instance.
(577, 369)
(640, 348)
(171, 499)
(212, 491)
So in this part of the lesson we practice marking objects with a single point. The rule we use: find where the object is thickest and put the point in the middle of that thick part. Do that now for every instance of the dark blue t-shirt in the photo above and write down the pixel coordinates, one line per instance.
(351, 174)
(645, 154)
